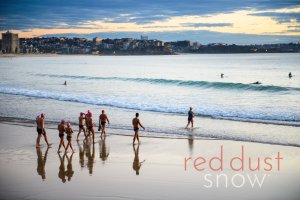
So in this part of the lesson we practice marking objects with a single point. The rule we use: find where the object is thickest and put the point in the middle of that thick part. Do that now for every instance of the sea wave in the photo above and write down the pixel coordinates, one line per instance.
(186, 83)
(261, 116)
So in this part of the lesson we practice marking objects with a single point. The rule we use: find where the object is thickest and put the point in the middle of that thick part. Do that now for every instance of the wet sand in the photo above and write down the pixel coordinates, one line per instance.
(115, 169)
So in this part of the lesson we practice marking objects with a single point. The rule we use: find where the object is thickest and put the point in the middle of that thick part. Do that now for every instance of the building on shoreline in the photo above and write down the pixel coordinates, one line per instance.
(10, 43)
(142, 46)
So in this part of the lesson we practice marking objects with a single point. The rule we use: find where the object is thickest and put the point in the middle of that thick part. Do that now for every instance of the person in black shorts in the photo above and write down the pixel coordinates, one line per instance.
(40, 128)
(81, 125)
(69, 133)
(61, 130)
(136, 123)
(102, 121)
(190, 118)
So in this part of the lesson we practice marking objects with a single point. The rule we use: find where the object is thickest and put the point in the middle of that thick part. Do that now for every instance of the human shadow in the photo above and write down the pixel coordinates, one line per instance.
(136, 165)
(62, 168)
(103, 149)
(90, 154)
(41, 162)
(69, 172)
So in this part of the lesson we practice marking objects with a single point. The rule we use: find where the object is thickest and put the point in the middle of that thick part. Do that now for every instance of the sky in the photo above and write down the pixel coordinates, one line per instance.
(205, 21)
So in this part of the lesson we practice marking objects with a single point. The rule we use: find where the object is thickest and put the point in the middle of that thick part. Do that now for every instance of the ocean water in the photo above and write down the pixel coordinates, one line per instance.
(161, 89)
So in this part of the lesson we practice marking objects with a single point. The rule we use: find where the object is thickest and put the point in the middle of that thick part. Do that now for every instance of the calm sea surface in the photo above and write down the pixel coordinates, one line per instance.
(161, 88)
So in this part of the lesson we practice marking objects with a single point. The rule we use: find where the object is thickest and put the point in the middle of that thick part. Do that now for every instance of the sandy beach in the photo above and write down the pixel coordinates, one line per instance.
(115, 169)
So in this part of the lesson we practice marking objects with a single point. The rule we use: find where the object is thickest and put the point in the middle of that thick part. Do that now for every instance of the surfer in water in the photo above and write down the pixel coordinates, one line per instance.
(65, 83)
(290, 75)
(190, 118)
(222, 75)
(257, 83)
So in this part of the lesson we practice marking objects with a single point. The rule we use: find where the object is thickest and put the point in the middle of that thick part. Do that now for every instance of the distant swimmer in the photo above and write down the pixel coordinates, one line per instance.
(222, 75)
(69, 132)
(257, 83)
(102, 122)
(136, 123)
(290, 75)
(65, 83)
(40, 128)
(61, 131)
(191, 116)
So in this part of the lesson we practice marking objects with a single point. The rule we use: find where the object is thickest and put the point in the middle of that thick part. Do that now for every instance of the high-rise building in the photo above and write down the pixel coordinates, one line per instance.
(10, 42)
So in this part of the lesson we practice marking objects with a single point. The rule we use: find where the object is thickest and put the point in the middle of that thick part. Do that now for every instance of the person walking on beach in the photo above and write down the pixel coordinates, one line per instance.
(102, 121)
(136, 123)
(61, 129)
(69, 132)
(88, 132)
(90, 126)
(40, 128)
(81, 125)
(190, 118)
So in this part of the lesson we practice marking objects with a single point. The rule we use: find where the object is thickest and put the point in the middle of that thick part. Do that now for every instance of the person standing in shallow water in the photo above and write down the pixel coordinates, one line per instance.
(40, 128)
(136, 123)
(190, 118)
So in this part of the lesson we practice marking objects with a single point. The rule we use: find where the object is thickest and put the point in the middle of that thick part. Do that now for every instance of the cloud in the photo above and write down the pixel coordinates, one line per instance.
(206, 24)
(168, 17)
(26, 14)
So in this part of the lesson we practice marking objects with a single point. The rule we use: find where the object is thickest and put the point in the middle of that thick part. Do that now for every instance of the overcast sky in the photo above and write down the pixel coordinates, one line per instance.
(206, 21)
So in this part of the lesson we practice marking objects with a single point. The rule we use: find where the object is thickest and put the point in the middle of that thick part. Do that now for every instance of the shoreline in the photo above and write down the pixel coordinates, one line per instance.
(175, 54)
(51, 125)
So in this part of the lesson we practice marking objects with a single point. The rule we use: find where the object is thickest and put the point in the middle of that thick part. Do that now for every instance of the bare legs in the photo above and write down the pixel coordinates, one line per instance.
(38, 139)
(69, 145)
(80, 132)
(103, 129)
(190, 121)
(62, 143)
(136, 136)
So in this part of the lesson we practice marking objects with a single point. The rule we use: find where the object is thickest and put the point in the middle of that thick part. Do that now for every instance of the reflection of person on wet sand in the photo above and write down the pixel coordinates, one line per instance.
(69, 172)
(136, 165)
(90, 156)
(104, 152)
(62, 169)
(191, 143)
(81, 154)
(41, 162)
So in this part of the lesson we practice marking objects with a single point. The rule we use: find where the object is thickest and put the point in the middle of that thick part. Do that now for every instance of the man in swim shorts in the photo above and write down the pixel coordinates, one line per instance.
(81, 125)
(102, 120)
(61, 130)
(40, 128)
(136, 123)
(90, 125)
(190, 118)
